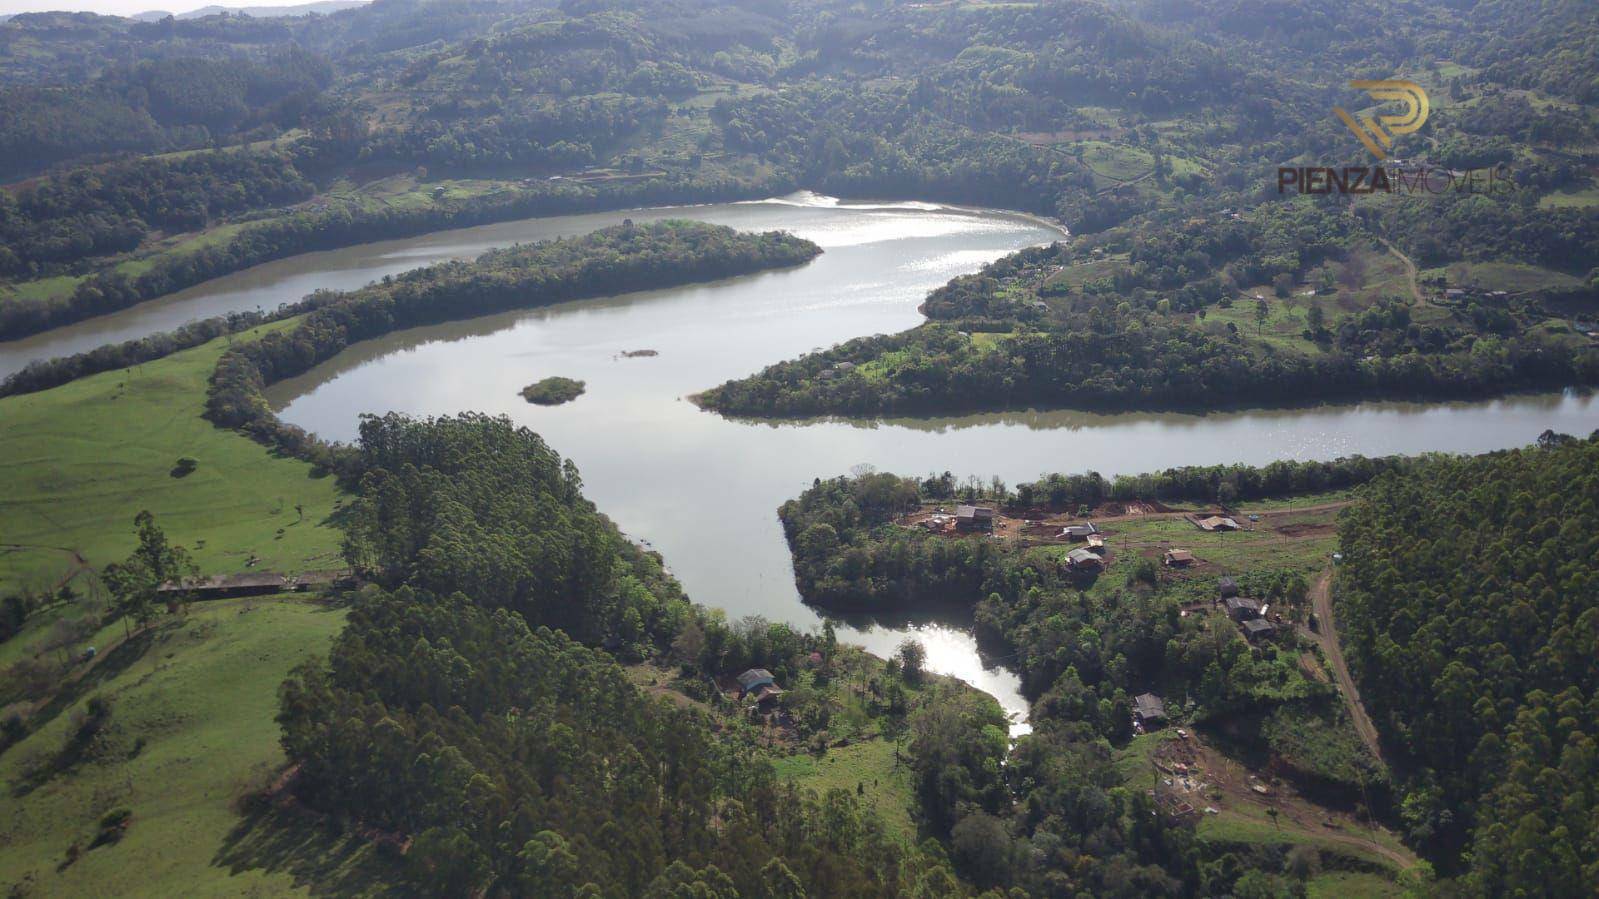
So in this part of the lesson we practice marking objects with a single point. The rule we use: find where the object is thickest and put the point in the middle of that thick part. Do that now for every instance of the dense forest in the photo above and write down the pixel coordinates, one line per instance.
(1468, 593)
(71, 217)
(462, 709)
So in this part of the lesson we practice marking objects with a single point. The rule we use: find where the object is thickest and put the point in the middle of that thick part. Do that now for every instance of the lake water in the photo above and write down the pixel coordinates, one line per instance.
(703, 489)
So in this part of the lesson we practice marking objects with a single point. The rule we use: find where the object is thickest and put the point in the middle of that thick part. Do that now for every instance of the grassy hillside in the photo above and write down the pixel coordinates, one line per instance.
(83, 459)
(191, 730)
(870, 769)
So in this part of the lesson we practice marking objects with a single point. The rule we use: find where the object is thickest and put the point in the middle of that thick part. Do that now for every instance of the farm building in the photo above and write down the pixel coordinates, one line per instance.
(1177, 558)
(305, 580)
(1227, 586)
(256, 583)
(1096, 543)
(764, 694)
(1083, 560)
(1240, 609)
(974, 518)
(226, 585)
(1148, 709)
(754, 679)
(1079, 531)
(1259, 629)
(1217, 523)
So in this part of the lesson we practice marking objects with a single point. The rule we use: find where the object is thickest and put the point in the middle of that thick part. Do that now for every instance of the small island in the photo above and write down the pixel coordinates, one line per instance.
(553, 391)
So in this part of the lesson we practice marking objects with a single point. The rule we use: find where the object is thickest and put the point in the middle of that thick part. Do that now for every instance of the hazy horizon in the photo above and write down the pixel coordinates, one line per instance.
(129, 7)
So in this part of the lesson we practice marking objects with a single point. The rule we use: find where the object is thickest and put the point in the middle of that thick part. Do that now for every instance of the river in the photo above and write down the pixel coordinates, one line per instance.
(703, 489)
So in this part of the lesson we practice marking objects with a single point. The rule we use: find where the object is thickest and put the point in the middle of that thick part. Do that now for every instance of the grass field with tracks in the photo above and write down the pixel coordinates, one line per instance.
(81, 460)
(191, 732)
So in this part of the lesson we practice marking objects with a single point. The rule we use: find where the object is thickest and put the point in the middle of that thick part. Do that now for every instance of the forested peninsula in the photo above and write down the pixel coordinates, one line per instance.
(1178, 325)
(463, 707)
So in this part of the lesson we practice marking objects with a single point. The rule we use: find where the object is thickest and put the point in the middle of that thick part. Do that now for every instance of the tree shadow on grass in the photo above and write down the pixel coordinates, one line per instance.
(108, 667)
(313, 849)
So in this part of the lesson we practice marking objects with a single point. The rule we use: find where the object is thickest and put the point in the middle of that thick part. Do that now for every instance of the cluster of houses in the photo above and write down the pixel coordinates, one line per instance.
(842, 368)
(1087, 558)
(1250, 614)
(966, 520)
(1253, 617)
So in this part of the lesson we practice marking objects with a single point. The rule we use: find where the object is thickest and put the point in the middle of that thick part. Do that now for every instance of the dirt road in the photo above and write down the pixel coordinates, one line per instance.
(1327, 636)
(1296, 812)
(1410, 270)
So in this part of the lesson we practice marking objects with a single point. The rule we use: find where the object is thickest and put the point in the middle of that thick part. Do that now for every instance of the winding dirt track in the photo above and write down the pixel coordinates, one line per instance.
(1321, 603)
(1410, 270)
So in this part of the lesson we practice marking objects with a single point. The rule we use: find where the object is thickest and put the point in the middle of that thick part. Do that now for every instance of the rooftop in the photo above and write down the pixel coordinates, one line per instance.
(754, 678)
(1148, 705)
(1083, 557)
(228, 582)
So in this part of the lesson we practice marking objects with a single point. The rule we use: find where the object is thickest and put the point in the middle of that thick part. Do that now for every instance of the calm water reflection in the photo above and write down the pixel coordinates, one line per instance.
(703, 489)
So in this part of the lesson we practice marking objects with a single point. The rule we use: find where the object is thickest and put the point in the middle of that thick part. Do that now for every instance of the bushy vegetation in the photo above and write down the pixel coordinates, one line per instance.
(1468, 595)
(552, 391)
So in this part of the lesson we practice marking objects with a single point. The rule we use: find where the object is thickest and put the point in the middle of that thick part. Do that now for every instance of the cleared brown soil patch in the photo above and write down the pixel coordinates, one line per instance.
(1193, 774)
(1300, 529)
